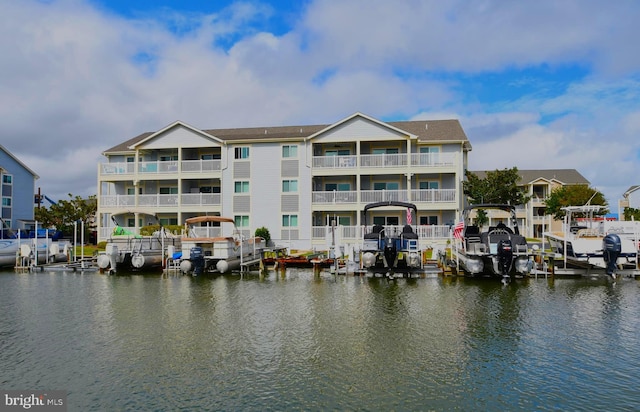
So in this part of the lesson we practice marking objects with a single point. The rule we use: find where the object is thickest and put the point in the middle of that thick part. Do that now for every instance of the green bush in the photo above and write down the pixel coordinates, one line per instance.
(263, 232)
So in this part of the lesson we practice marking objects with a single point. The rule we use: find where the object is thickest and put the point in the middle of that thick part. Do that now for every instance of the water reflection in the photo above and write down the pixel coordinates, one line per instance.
(300, 341)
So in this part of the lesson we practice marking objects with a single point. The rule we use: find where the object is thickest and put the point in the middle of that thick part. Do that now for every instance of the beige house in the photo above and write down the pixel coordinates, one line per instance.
(538, 184)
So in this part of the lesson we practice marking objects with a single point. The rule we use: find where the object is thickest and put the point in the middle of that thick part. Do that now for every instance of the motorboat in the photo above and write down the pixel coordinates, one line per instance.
(499, 251)
(391, 250)
(19, 248)
(129, 251)
(589, 243)
(214, 244)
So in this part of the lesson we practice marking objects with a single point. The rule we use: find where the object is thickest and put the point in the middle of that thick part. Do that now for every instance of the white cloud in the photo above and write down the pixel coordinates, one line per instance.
(78, 80)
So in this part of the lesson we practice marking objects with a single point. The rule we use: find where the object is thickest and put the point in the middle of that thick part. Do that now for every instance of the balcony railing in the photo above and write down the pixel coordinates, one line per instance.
(200, 166)
(161, 167)
(157, 200)
(370, 196)
(335, 162)
(384, 160)
(433, 196)
(334, 196)
(356, 233)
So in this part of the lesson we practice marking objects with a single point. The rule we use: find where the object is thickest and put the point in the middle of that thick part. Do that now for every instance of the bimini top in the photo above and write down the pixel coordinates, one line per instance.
(209, 219)
(501, 206)
(390, 203)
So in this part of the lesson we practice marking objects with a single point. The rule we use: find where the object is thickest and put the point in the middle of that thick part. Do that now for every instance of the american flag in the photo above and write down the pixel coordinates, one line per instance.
(457, 230)
(409, 218)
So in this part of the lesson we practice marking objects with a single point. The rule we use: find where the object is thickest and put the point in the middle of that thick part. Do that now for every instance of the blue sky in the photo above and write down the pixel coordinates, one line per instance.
(536, 85)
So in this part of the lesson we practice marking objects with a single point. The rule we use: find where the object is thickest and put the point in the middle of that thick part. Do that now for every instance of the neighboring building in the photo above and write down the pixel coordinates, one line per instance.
(18, 184)
(538, 184)
(293, 180)
(631, 199)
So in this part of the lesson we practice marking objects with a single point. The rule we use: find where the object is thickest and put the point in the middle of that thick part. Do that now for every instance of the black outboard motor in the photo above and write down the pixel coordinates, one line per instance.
(390, 253)
(197, 259)
(611, 249)
(505, 256)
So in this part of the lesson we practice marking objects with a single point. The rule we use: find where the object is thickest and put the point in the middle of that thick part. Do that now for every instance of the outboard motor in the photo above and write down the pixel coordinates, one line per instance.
(505, 256)
(611, 249)
(197, 258)
(390, 254)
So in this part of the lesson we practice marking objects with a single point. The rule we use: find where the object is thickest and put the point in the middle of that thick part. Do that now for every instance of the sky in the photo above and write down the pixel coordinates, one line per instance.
(545, 84)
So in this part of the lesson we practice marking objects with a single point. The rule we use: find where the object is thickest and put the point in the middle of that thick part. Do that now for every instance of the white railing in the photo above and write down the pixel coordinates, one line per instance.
(334, 196)
(433, 159)
(433, 196)
(383, 160)
(205, 231)
(117, 200)
(335, 162)
(158, 167)
(201, 199)
(157, 200)
(370, 196)
(120, 168)
(356, 233)
(199, 166)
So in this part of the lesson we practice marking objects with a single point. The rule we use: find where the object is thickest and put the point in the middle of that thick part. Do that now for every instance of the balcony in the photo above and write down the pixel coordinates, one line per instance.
(355, 234)
(334, 196)
(161, 167)
(381, 161)
(371, 196)
(157, 200)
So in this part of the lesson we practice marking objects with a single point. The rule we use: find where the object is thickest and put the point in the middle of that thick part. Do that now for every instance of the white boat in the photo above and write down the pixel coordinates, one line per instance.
(27, 251)
(592, 244)
(384, 251)
(129, 251)
(214, 244)
(499, 250)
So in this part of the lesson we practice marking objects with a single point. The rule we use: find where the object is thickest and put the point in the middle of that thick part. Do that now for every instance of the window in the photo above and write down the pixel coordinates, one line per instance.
(241, 187)
(168, 158)
(386, 186)
(210, 156)
(290, 151)
(340, 187)
(429, 185)
(344, 220)
(428, 220)
(168, 190)
(242, 152)
(343, 152)
(430, 149)
(169, 221)
(241, 220)
(289, 220)
(289, 185)
(7, 179)
(6, 201)
(385, 151)
(385, 220)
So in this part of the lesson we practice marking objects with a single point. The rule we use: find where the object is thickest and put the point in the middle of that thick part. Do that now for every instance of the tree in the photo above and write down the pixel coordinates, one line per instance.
(499, 186)
(263, 232)
(631, 213)
(64, 213)
(573, 195)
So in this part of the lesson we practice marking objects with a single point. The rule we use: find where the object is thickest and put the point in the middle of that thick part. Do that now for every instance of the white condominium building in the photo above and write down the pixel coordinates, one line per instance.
(307, 185)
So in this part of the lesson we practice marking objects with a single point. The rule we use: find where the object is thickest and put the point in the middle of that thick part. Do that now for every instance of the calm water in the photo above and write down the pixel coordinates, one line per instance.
(301, 342)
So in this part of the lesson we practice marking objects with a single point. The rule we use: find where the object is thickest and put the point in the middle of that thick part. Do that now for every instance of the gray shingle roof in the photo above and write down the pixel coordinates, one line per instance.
(565, 176)
(425, 130)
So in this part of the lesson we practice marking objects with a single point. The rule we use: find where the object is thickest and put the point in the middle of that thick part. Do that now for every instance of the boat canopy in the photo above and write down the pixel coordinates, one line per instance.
(209, 219)
(389, 203)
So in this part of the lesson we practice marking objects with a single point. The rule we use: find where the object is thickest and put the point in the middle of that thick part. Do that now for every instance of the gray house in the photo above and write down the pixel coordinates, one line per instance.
(18, 188)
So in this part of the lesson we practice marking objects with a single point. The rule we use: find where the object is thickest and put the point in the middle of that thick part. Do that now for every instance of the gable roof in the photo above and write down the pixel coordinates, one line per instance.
(432, 131)
(564, 176)
(19, 162)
